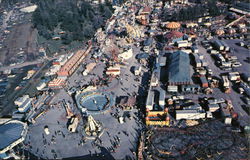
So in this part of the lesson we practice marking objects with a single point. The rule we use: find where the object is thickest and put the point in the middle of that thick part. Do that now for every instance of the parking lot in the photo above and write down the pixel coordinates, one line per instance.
(236, 98)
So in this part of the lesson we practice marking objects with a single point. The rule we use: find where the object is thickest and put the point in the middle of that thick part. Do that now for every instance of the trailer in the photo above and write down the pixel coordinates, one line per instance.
(162, 61)
(220, 58)
(162, 98)
(204, 82)
(137, 70)
(195, 49)
(225, 81)
(234, 76)
(226, 46)
(218, 45)
(183, 44)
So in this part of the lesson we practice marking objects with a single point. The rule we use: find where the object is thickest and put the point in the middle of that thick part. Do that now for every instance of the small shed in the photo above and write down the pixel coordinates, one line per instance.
(204, 82)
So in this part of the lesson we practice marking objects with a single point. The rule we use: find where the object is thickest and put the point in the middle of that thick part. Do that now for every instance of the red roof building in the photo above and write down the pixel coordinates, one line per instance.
(174, 35)
(71, 65)
(56, 83)
(145, 10)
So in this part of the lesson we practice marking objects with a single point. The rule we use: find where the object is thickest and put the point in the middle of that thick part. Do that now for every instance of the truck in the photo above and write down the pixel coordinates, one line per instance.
(234, 76)
(183, 44)
(218, 45)
(240, 90)
(226, 84)
(195, 49)
(212, 51)
(137, 70)
(226, 46)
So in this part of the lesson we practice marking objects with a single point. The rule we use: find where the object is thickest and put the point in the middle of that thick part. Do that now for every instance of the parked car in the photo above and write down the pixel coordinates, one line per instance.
(236, 64)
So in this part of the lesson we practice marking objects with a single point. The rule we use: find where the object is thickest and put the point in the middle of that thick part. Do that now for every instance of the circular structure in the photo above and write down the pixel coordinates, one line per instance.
(11, 134)
(231, 31)
(94, 102)
(174, 35)
(173, 25)
(219, 32)
(243, 30)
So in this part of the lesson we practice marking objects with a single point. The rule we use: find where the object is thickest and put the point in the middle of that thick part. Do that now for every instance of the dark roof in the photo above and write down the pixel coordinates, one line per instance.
(9, 133)
(179, 69)
(142, 55)
(148, 42)
(128, 101)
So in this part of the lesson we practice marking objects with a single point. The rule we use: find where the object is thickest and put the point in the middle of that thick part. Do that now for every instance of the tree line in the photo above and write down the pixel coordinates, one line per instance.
(78, 18)
(193, 12)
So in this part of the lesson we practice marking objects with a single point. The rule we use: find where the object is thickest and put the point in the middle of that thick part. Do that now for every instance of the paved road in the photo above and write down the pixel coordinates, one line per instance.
(8, 107)
(26, 64)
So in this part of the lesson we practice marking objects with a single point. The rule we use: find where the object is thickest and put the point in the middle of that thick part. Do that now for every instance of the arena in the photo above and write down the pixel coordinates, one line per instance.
(11, 134)
(94, 102)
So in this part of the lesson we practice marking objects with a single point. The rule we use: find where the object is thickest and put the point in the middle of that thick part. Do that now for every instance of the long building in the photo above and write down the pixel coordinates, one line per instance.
(71, 65)
(179, 69)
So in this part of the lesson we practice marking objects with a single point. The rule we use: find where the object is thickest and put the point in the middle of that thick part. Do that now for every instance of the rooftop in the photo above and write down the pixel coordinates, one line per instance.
(10, 132)
(179, 69)
(173, 25)
(174, 34)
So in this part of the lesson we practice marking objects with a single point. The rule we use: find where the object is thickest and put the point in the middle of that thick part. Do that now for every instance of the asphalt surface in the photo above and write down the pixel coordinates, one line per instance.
(234, 96)
(128, 132)
(41, 145)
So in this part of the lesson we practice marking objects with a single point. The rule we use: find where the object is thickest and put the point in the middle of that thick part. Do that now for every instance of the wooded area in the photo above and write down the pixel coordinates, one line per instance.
(194, 12)
(79, 19)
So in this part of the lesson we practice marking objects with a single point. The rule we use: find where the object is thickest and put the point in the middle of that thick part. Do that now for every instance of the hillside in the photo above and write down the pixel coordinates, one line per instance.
(69, 21)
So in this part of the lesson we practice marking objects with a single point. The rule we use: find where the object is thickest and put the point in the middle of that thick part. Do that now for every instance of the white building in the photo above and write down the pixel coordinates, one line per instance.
(162, 98)
(89, 68)
(172, 89)
(154, 80)
(233, 76)
(184, 43)
(40, 86)
(29, 9)
(150, 100)
(115, 70)
(190, 114)
(126, 55)
(20, 100)
(137, 70)
(162, 61)
(227, 116)
(23, 103)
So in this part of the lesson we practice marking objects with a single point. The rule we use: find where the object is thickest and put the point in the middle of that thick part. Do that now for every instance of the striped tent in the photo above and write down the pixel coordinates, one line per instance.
(173, 25)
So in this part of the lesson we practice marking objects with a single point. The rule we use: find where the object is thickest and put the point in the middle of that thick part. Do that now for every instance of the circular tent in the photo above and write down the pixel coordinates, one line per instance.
(173, 25)
(242, 30)
(173, 35)
(219, 32)
(11, 134)
(231, 31)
